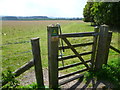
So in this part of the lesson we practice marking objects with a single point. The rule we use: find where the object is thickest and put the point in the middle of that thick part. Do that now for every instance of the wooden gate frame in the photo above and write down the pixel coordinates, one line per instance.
(100, 50)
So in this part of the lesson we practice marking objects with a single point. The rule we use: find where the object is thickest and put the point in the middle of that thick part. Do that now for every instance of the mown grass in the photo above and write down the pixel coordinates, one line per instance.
(14, 56)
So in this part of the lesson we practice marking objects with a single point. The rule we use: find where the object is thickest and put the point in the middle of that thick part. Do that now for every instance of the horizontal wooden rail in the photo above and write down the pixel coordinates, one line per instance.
(21, 70)
(73, 56)
(72, 65)
(75, 51)
(76, 45)
(24, 68)
(70, 74)
(111, 47)
(78, 34)
(71, 79)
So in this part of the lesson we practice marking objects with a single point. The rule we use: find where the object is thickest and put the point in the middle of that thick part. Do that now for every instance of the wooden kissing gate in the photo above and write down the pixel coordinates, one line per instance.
(99, 54)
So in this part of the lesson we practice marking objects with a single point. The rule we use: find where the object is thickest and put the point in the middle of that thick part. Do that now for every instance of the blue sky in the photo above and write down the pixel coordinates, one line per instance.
(51, 8)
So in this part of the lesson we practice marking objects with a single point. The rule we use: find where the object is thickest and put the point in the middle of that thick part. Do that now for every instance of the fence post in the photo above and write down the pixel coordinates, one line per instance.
(94, 47)
(107, 47)
(102, 47)
(37, 61)
(53, 40)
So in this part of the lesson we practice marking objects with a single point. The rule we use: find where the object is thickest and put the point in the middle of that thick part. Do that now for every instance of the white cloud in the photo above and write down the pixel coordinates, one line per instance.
(63, 8)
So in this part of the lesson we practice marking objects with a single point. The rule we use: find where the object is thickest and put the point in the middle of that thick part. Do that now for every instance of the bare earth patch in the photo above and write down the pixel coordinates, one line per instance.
(29, 78)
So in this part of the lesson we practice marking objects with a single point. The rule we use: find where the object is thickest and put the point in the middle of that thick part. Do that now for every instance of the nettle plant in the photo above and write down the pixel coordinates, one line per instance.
(9, 77)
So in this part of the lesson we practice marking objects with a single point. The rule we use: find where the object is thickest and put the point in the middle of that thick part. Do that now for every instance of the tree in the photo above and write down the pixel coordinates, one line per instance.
(88, 17)
(103, 13)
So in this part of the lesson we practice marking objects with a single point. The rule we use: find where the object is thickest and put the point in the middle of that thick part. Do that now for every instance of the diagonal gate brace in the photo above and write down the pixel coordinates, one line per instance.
(74, 50)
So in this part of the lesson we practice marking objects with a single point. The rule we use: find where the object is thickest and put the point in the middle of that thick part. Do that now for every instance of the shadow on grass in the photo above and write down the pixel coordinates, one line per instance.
(91, 84)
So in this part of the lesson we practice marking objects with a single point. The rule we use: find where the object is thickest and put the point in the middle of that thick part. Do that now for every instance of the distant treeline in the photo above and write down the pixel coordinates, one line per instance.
(36, 18)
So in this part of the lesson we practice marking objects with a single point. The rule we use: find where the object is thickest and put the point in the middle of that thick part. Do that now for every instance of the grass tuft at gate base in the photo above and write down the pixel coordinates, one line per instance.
(109, 72)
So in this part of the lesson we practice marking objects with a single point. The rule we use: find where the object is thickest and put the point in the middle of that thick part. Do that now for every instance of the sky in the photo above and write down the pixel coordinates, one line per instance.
(51, 8)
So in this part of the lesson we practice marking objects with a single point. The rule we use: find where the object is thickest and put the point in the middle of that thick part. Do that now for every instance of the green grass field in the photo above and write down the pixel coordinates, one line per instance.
(16, 46)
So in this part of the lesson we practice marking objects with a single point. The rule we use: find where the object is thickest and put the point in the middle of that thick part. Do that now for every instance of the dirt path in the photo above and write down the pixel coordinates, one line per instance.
(29, 78)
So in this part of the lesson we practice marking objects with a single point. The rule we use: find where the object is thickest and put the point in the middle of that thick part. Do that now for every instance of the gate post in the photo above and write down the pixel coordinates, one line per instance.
(107, 47)
(53, 40)
(94, 47)
(102, 47)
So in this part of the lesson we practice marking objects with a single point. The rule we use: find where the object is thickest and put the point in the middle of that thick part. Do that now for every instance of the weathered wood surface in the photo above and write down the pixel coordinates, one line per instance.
(102, 48)
(70, 74)
(73, 56)
(53, 40)
(94, 47)
(76, 45)
(37, 61)
(107, 47)
(76, 53)
(24, 68)
(72, 65)
(78, 34)
(71, 79)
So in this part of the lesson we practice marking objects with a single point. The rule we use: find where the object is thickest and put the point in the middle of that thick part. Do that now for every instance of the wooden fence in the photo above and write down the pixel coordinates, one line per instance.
(99, 54)
(35, 62)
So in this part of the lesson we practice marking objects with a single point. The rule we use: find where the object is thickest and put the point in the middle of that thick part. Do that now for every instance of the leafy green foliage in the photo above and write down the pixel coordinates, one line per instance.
(109, 73)
(87, 12)
(10, 78)
(33, 86)
(14, 83)
(30, 86)
(103, 13)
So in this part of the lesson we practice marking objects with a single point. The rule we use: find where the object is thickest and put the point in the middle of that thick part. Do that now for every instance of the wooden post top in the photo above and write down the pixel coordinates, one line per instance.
(37, 38)
(54, 25)
(96, 27)
(104, 25)
(53, 29)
